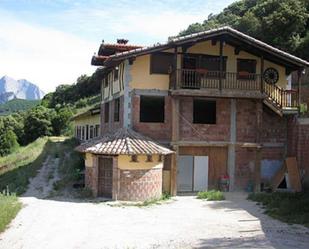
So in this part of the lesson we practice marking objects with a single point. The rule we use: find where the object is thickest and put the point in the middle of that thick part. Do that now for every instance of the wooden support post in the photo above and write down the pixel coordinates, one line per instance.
(173, 174)
(299, 74)
(261, 74)
(221, 65)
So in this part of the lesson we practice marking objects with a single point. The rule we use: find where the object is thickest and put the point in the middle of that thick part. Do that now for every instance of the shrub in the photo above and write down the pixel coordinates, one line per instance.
(9, 207)
(212, 195)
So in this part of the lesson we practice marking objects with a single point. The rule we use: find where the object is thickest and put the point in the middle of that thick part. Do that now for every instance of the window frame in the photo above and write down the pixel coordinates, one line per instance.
(251, 75)
(116, 73)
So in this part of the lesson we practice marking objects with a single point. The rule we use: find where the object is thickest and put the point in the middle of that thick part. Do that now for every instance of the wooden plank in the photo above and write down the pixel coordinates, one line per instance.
(294, 175)
(173, 173)
(278, 177)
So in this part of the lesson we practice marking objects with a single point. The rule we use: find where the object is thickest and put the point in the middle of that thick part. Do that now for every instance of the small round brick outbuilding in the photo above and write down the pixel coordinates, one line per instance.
(124, 165)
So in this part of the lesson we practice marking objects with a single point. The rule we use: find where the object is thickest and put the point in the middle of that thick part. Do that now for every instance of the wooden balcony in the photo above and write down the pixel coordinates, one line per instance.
(188, 82)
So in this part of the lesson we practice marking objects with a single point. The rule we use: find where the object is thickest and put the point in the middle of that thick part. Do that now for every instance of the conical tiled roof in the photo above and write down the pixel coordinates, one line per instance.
(123, 142)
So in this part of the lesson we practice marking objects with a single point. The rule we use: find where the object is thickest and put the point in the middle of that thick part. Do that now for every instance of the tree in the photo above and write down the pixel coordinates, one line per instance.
(61, 120)
(8, 139)
(38, 123)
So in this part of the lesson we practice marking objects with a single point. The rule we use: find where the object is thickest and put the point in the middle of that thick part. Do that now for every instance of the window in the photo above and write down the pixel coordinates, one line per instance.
(134, 158)
(149, 158)
(91, 132)
(83, 133)
(97, 130)
(204, 111)
(105, 81)
(116, 110)
(116, 73)
(246, 69)
(106, 112)
(160, 158)
(152, 109)
(87, 132)
(160, 63)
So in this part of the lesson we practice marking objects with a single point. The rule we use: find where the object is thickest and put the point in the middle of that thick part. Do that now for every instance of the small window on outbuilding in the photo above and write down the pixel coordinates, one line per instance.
(116, 110)
(97, 130)
(160, 63)
(149, 158)
(106, 112)
(134, 158)
(160, 158)
(204, 111)
(246, 69)
(105, 81)
(152, 109)
(91, 132)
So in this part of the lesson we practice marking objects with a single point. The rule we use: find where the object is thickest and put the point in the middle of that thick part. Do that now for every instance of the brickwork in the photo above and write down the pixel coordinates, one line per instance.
(157, 131)
(140, 185)
(204, 132)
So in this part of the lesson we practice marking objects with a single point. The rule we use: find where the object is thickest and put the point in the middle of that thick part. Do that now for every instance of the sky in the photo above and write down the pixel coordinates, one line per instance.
(51, 42)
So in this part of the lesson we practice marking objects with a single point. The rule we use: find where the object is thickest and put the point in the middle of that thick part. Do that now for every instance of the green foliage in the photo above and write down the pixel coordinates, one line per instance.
(8, 139)
(288, 207)
(17, 105)
(9, 207)
(38, 123)
(61, 120)
(282, 23)
(84, 87)
(211, 195)
(17, 168)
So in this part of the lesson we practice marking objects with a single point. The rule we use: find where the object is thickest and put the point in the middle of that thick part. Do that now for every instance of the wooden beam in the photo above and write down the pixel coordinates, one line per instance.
(299, 74)
(221, 64)
(173, 175)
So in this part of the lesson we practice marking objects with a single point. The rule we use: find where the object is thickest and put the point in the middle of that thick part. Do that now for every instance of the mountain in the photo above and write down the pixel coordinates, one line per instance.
(18, 89)
(15, 105)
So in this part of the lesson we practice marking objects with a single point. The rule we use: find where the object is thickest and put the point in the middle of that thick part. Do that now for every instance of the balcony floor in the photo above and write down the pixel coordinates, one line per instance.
(224, 93)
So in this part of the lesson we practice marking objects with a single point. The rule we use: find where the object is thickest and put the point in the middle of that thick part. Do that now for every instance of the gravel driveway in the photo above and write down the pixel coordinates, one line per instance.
(184, 223)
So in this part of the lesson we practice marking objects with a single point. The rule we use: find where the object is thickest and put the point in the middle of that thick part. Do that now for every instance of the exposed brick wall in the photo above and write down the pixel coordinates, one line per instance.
(157, 131)
(246, 120)
(140, 185)
(204, 132)
(244, 170)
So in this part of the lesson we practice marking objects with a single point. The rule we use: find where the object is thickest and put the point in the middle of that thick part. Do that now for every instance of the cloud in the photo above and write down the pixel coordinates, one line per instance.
(45, 56)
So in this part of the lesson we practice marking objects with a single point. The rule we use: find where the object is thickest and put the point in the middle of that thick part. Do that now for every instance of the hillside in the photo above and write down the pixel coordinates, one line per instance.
(17, 105)
(18, 89)
(281, 23)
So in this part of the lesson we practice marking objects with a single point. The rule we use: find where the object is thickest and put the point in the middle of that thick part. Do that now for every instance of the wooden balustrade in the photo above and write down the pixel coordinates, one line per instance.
(203, 79)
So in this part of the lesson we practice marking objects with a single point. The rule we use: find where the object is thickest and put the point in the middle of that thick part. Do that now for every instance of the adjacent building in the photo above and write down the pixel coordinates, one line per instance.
(181, 115)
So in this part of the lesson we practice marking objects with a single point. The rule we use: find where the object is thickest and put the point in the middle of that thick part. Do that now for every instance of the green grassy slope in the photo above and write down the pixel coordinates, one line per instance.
(17, 105)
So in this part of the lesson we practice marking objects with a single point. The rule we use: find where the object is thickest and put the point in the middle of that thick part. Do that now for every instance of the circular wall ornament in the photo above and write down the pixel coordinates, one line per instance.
(271, 75)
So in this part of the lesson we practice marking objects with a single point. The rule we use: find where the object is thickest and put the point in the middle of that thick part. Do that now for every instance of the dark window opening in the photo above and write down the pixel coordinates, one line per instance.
(134, 158)
(116, 73)
(246, 69)
(152, 109)
(161, 63)
(116, 110)
(204, 111)
(105, 81)
(149, 158)
(160, 158)
(106, 112)
(91, 132)
(87, 132)
(97, 130)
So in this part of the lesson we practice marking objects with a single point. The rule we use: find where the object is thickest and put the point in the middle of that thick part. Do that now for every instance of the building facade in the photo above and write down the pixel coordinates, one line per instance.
(221, 100)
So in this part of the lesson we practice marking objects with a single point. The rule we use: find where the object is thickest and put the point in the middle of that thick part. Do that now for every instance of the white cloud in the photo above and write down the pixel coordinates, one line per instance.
(44, 56)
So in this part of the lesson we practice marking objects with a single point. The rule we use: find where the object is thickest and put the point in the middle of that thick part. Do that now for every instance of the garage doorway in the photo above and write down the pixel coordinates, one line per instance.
(192, 174)
(105, 174)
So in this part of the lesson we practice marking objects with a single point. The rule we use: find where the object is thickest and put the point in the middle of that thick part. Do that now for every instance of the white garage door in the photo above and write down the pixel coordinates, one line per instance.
(200, 173)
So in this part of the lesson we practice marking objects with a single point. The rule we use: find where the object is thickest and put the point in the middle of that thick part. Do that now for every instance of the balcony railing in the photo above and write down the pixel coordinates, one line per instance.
(241, 81)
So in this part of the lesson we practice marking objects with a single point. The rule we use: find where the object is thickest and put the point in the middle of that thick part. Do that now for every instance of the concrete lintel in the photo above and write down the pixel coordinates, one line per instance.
(150, 92)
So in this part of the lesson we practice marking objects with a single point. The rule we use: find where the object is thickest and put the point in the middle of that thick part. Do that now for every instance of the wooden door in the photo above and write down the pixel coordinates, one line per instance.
(105, 180)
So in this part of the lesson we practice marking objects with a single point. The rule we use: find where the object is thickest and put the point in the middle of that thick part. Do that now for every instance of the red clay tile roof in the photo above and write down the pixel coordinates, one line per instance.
(123, 142)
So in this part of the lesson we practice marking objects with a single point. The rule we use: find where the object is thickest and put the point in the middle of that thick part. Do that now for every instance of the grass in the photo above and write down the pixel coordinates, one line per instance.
(17, 168)
(71, 164)
(156, 201)
(292, 208)
(212, 195)
(9, 207)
